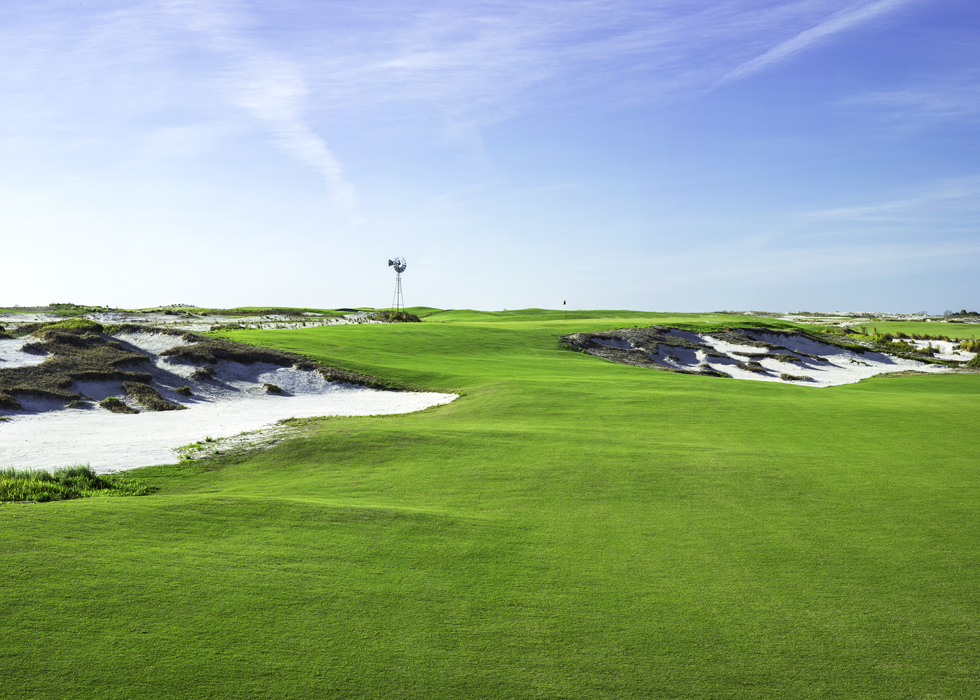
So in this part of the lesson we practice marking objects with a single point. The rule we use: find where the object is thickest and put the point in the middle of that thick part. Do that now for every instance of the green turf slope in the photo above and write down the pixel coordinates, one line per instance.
(569, 528)
(964, 331)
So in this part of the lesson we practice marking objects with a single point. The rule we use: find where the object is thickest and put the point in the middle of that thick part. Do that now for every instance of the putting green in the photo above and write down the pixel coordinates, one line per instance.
(569, 527)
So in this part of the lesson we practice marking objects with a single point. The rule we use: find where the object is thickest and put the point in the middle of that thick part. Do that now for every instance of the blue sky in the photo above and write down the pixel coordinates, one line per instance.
(676, 156)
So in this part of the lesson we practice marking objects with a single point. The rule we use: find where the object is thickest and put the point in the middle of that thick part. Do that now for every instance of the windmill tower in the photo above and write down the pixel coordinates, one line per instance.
(398, 302)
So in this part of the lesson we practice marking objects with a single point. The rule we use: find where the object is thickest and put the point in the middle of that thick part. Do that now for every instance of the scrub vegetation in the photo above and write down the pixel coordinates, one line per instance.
(71, 482)
(77, 351)
(253, 311)
(569, 527)
(396, 317)
(116, 405)
(150, 398)
(208, 351)
(73, 310)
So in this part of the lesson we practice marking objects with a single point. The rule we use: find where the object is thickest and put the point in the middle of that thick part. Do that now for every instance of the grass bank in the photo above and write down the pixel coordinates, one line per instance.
(962, 331)
(569, 527)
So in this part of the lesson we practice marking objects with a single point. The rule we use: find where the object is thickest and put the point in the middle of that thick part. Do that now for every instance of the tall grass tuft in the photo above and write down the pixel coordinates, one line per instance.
(70, 482)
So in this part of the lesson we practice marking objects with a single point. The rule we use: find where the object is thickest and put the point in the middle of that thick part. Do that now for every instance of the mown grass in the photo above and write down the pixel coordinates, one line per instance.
(913, 328)
(62, 484)
(569, 527)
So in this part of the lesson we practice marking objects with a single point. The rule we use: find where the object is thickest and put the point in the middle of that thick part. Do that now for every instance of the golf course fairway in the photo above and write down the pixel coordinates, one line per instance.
(567, 528)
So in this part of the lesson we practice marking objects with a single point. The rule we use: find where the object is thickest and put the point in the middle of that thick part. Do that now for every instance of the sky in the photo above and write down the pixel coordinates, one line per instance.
(660, 155)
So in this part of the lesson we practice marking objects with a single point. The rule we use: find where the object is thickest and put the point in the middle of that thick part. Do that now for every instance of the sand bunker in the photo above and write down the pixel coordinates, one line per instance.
(111, 442)
(12, 353)
(224, 398)
(746, 353)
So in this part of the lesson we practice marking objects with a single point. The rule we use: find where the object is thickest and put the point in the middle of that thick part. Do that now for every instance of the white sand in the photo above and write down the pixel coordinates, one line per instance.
(837, 366)
(832, 365)
(946, 349)
(194, 322)
(112, 442)
(12, 356)
(46, 435)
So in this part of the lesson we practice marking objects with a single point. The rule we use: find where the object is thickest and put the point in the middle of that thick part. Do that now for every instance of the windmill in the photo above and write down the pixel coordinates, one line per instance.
(397, 302)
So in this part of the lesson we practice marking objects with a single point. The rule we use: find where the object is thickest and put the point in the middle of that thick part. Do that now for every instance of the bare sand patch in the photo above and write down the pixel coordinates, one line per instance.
(12, 354)
(114, 442)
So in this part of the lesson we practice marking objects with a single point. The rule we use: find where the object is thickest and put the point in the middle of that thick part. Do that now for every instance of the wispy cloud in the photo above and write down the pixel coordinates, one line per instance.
(464, 65)
(482, 62)
(953, 203)
(939, 99)
(835, 24)
(270, 87)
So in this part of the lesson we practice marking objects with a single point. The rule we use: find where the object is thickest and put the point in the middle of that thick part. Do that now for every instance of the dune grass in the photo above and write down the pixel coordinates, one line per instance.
(149, 398)
(77, 351)
(70, 482)
(569, 527)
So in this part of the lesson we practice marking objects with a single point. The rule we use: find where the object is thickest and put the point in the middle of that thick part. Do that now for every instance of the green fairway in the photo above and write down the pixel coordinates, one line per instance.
(965, 331)
(568, 528)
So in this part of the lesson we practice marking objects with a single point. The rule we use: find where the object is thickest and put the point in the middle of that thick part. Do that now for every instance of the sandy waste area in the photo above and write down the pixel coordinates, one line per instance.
(755, 355)
(188, 321)
(47, 435)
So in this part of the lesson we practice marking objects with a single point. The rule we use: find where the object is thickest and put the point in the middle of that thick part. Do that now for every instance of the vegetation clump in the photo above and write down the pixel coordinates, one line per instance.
(70, 482)
(795, 377)
(396, 317)
(707, 370)
(115, 405)
(272, 388)
(183, 391)
(69, 309)
(751, 366)
(78, 351)
(150, 398)
(210, 351)
(778, 356)
(203, 373)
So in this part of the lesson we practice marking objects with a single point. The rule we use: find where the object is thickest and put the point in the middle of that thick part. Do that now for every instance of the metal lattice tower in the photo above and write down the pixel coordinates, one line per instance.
(398, 301)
